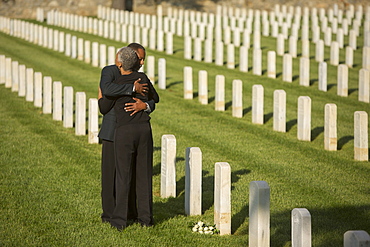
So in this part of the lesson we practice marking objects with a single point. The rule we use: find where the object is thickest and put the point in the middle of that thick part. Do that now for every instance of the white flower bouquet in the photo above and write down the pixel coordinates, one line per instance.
(204, 228)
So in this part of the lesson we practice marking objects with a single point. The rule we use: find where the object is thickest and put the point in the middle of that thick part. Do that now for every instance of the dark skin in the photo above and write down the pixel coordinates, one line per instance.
(139, 105)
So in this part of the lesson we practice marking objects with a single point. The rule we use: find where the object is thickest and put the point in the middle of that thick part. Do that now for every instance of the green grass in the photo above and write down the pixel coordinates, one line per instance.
(50, 178)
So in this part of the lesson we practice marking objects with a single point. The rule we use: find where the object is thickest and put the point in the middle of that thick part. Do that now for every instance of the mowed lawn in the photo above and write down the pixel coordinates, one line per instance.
(50, 178)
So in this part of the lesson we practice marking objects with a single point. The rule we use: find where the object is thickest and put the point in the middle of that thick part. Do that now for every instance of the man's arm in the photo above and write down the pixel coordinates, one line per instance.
(140, 106)
(105, 104)
(108, 75)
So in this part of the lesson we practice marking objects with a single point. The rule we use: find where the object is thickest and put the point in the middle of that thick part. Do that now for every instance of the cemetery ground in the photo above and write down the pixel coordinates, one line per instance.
(50, 178)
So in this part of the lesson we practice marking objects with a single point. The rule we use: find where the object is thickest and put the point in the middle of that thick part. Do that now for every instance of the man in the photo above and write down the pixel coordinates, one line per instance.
(106, 134)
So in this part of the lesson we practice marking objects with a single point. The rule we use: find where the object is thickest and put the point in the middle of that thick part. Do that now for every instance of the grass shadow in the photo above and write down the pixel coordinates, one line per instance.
(228, 105)
(238, 219)
(313, 81)
(173, 84)
(352, 90)
(247, 110)
(342, 141)
(316, 132)
(267, 117)
(329, 86)
(290, 124)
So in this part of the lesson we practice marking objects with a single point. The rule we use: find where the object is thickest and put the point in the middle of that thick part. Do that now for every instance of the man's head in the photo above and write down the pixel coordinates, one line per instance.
(140, 51)
(127, 59)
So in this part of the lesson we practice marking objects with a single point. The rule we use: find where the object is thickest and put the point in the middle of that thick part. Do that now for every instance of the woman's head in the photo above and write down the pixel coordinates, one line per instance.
(127, 59)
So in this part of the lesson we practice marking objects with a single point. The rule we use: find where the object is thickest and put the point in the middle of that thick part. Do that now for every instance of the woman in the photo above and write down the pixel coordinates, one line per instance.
(133, 143)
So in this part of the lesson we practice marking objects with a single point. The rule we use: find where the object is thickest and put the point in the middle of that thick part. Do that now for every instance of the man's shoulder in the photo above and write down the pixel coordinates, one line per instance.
(110, 67)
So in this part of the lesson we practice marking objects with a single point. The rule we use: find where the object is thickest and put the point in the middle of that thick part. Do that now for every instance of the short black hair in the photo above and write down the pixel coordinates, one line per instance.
(136, 46)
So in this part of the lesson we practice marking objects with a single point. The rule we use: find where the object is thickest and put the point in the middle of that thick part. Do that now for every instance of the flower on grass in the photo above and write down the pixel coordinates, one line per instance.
(204, 228)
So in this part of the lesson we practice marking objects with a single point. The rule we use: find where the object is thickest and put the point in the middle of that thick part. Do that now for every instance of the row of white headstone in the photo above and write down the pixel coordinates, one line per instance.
(304, 68)
(159, 40)
(188, 22)
(52, 97)
(287, 75)
(98, 55)
(279, 110)
(259, 200)
(130, 17)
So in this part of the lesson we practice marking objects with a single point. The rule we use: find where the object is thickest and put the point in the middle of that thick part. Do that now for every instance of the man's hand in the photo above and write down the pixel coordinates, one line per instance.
(140, 88)
(135, 107)
(100, 95)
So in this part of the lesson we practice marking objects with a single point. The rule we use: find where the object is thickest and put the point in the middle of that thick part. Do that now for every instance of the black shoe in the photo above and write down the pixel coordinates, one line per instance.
(120, 228)
(105, 220)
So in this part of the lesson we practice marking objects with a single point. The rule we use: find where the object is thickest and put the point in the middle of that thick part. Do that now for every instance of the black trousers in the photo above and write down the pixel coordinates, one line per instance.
(108, 184)
(134, 151)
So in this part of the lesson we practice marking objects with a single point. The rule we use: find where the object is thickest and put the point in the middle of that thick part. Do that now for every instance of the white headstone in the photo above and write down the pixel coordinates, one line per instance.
(197, 49)
(37, 89)
(342, 78)
(259, 214)
(293, 46)
(15, 76)
(243, 59)
(304, 71)
(361, 145)
(47, 95)
(193, 181)
(80, 128)
(349, 57)
(357, 238)
(330, 127)
(237, 101)
(279, 113)
(162, 73)
(366, 57)
(219, 54)
(68, 107)
(280, 49)
(319, 57)
(2, 69)
(222, 198)
(364, 85)
(95, 54)
(257, 61)
(353, 39)
(334, 53)
(102, 55)
(287, 68)
(22, 80)
(8, 72)
(301, 227)
(257, 104)
(188, 82)
(150, 68)
(187, 47)
(29, 84)
(208, 51)
(304, 118)
(220, 93)
(322, 76)
(168, 166)
(169, 43)
(57, 101)
(230, 56)
(203, 87)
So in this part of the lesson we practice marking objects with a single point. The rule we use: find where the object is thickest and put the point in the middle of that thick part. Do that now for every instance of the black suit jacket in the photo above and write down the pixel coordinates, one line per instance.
(108, 75)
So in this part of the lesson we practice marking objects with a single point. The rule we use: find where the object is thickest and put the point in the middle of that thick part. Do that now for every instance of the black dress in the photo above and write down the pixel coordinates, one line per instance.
(133, 145)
